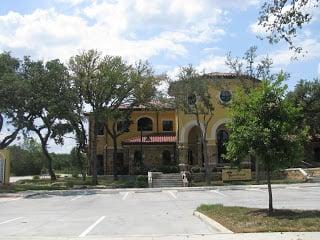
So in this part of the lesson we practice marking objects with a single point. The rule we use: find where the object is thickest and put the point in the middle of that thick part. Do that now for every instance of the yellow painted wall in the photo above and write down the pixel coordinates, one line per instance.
(220, 114)
(157, 118)
(5, 154)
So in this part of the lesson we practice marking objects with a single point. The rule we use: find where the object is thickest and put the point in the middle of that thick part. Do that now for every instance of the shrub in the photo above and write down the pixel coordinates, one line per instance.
(141, 181)
(166, 169)
(36, 177)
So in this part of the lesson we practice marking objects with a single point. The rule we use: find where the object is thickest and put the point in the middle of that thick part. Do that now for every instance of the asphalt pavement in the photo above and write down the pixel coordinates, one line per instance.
(141, 214)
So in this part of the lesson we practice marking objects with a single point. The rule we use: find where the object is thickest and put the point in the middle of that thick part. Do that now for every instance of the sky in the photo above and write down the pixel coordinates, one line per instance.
(168, 33)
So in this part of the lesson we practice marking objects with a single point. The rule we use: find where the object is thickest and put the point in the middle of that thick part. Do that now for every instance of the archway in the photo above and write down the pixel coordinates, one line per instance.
(166, 157)
(222, 139)
(194, 147)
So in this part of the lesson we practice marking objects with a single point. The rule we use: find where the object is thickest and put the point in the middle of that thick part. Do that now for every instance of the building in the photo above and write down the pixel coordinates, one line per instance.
(167, 137)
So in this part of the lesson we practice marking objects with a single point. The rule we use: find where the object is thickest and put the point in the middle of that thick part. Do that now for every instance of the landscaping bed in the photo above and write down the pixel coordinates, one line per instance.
(66, 183)
(248, 220)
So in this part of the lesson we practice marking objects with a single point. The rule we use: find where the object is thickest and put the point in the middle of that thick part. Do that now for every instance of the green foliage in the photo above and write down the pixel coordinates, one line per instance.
(36, 177)
(266, 124)
(105, 83)
(12, 96)
(166, 169)
(283, 18)
(307, 96)
(27, 159)
(141, 181)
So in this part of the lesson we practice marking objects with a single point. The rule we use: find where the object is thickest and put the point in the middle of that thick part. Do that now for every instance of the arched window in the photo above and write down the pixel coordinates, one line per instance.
(222, 138)
(145, 124)
(166, 157)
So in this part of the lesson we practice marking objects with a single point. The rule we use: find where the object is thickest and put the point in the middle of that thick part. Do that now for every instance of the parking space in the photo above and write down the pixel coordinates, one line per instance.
(129, 213)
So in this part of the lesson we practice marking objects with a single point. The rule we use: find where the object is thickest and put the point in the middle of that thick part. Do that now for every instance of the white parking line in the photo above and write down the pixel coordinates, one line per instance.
(9, 200)
(293, 188)
(89, 229)
(218, 192)
(255, 189)
(125, 195)
(76, 198)
(172, 194)
(11, 220)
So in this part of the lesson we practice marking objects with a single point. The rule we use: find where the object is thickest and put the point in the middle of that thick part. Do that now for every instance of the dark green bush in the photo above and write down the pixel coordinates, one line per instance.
(141, 181)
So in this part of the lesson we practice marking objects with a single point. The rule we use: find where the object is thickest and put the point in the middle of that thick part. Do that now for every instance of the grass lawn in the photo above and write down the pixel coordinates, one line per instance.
(246, 220)
(251, 182)
(64, 183)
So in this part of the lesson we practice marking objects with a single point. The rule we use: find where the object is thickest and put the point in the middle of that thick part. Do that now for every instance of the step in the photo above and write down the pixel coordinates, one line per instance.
(314, 179)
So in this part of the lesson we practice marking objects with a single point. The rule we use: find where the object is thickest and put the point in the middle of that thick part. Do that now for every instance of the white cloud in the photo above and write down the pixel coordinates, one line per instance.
(213, 64)
(284, 57)
(71, 2)
(134, 29)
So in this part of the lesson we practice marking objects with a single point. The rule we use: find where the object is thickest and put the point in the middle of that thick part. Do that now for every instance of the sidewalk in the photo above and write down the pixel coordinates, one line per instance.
(237, 236)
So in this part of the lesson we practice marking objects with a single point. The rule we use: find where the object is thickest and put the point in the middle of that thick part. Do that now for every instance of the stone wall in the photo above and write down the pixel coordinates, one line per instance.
(313, 172)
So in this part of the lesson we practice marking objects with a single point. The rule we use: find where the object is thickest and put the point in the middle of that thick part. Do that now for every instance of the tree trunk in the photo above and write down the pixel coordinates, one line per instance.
(93, 155)
(49, 159)
(115, 158)
(269, 189)
(257, 170)
(81, 165)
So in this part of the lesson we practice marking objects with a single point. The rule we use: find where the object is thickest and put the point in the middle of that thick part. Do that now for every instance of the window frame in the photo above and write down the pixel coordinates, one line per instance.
(152, 123)
(225, 101)
(167, 120)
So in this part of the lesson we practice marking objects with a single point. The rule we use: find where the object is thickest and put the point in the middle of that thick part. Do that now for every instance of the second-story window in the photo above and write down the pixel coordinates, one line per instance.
(123, 126)
(167, 126)
(145, 124)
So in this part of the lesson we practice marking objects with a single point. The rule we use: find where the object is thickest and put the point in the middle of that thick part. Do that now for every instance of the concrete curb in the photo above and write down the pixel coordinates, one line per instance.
(212, 223)
(28, 194)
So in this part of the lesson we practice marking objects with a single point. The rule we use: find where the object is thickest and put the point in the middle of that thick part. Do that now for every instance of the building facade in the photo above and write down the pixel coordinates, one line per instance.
(168, 137)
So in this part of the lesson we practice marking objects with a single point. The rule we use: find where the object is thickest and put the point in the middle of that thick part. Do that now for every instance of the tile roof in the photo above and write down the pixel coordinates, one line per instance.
(227, 75)
(152, 139)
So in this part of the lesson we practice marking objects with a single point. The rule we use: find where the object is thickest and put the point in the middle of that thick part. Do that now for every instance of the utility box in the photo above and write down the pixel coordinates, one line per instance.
(4, 166)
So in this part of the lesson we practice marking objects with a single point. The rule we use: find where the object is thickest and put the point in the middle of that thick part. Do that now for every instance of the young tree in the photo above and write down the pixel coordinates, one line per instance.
(283, 18)
(12, 95)
(48, 102)
(265, 123)
(248, 66)
(191, 96)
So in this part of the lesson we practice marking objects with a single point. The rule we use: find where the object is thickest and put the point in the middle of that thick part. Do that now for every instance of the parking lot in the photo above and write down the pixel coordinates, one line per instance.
(127, 213)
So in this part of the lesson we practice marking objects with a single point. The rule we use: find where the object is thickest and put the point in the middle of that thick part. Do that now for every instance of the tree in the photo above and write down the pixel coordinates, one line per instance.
(265, 123)
(248, 66)
(48, 102)
(283, 18)
(12, 94)
(191, 96)
(139, 90)
(105, 83)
